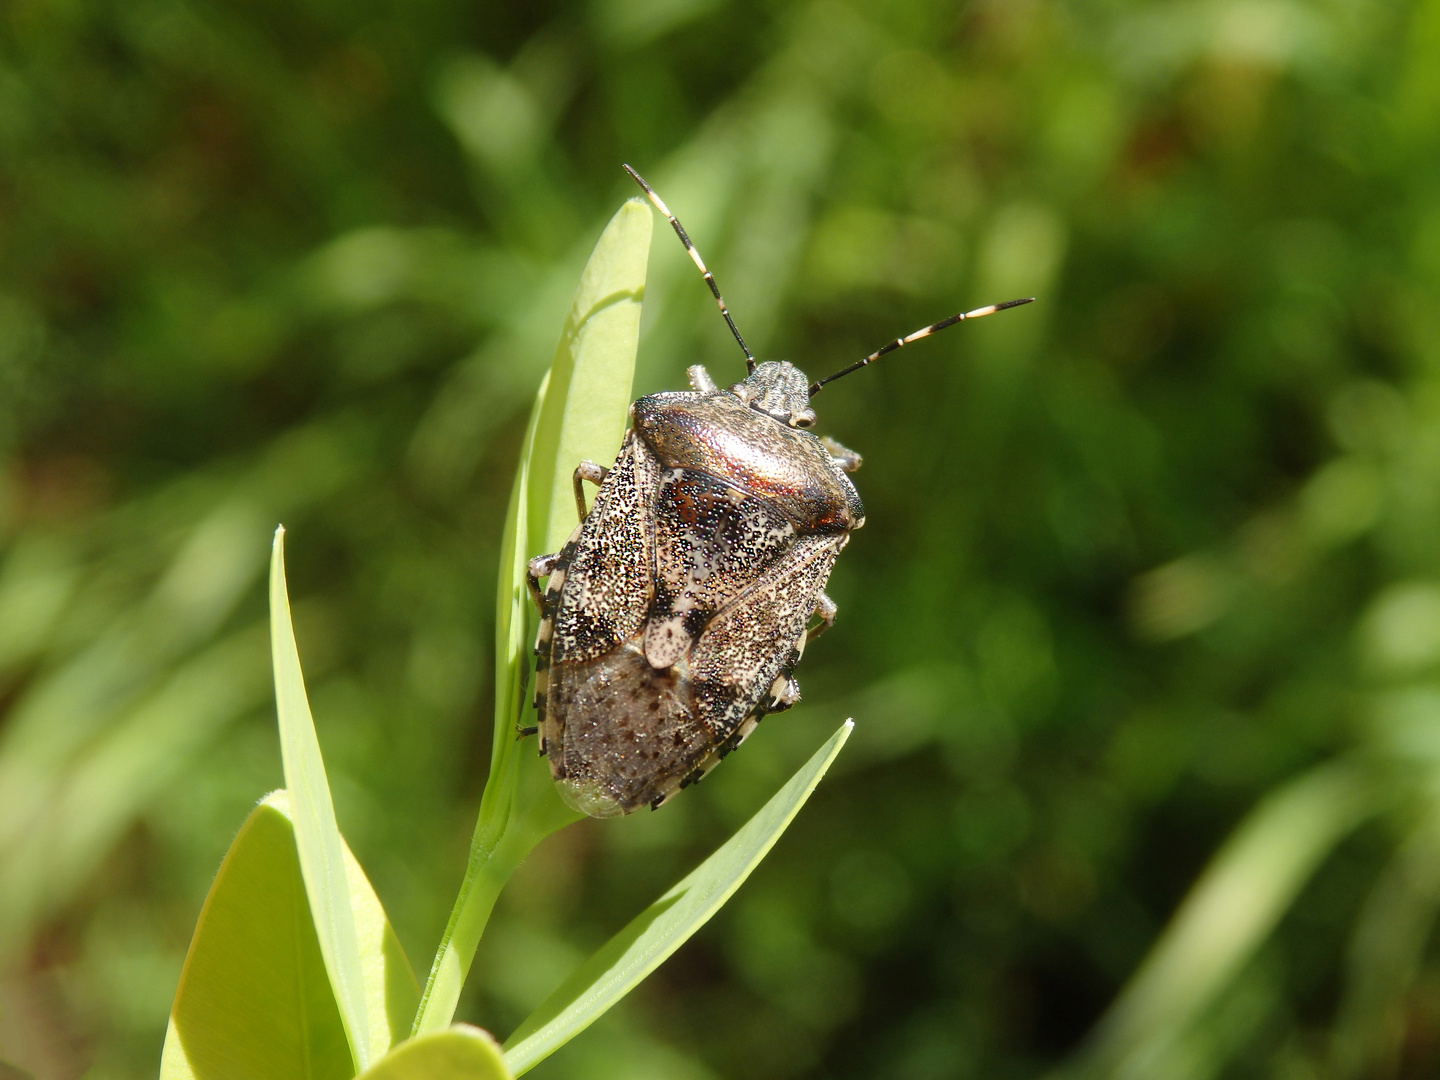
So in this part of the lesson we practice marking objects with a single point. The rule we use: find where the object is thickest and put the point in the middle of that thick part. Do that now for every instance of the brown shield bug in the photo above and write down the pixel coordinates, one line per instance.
(676, 613)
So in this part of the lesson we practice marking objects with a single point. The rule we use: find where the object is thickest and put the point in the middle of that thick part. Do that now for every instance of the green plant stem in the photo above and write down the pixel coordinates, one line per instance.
(509, 827)
(518, 810)
(494, 855)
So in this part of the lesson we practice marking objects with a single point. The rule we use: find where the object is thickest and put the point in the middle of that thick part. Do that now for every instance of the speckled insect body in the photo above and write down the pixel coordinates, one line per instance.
(675, 614)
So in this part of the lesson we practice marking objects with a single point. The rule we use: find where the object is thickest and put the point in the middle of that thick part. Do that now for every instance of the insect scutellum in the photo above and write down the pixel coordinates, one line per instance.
(777, 388)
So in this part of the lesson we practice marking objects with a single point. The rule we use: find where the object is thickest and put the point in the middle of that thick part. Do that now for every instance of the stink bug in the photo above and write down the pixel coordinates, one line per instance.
(676, 612)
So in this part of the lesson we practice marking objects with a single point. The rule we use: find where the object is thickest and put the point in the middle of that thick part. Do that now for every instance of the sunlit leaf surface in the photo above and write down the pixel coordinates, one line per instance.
(460, 1052)
(255, 999)
(317, 836)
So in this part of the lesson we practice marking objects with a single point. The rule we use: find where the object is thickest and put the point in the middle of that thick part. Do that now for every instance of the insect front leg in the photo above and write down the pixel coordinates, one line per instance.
(587, 470)
(538, 567)
(847, 459)
(700, 380)
(785, 691)
(825, 609)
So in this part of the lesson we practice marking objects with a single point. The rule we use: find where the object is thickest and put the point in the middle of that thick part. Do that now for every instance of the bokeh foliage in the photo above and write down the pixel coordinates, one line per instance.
(1149, 594)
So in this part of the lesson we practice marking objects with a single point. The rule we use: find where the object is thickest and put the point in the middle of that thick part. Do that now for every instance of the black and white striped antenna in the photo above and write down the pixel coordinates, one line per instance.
(901, 342)
(695, 258)
(815, 387)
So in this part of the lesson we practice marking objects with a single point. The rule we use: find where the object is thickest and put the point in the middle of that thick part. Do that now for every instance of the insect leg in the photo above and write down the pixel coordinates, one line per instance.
(825, 608)
(522, 683)
(699, 263)
(783, 693)
(587, 470)
(700, 380)
(847, 459)
(538, 567)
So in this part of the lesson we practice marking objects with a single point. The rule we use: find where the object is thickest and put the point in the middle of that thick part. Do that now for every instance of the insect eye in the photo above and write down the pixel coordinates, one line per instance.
(805, 419)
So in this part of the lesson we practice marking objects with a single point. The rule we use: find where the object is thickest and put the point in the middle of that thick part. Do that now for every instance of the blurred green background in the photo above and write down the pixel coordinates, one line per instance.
(1142, 638)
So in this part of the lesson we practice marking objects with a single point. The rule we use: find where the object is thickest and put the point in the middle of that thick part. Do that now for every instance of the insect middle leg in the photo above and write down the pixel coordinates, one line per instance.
(785, 691)
(825, 609)
(587, 470)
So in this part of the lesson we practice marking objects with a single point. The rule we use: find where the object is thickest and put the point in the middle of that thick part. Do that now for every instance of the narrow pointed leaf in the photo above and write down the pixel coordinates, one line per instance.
(317, 836)
(666, 924)
(460, 1052)
(587, 393)
(254, 998)
(579, 412)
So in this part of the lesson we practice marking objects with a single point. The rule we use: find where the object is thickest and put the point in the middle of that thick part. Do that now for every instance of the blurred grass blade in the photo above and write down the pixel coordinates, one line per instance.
(461, 1052)
(1228, 914)
(96, 797)
(111, 703)
(317, 836)
(1387, 951)
(666, 924)
(254, 998)
(580, 412)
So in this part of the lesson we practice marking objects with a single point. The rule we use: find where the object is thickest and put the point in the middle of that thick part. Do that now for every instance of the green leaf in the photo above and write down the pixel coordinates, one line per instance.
(317, 836)
(579, 412)
(254, 998)
(666, 924)
(587, 395)
(460, 1052)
